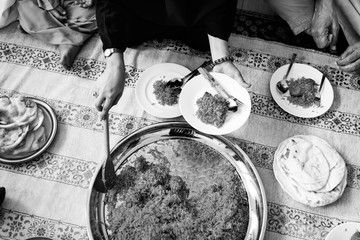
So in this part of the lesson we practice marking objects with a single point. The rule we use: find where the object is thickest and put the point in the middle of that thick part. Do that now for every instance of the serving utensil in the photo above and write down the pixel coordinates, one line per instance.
(234, 103)
(105, 179)
(179, 82)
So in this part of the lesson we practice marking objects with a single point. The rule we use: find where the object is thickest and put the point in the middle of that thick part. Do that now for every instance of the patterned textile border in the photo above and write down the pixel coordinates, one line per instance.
(92, 69)
(263, 156)
(121, 124)
(56, 168)
(265, 62)
(47, 60)
(17, 225)
(78, 172)
(332, 120)
(87, 118)
(300, 224)
(281, 219)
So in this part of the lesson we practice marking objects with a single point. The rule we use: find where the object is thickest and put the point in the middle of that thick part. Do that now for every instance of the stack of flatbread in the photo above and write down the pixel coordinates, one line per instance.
(21, 126)
(310, 170)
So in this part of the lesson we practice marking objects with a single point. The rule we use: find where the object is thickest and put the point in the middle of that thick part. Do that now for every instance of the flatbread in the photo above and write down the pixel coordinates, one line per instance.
(310, 198)
(25, 145)
(304, 185)
(36, 123)
(304, 163)
(10, 138)
(16, 111)
(34, 140)
(40, 138)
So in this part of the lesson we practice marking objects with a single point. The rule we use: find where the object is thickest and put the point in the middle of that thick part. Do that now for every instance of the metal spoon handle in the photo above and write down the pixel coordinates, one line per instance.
(195, 72)
(291, 64)
(322, 83)
(106, 135)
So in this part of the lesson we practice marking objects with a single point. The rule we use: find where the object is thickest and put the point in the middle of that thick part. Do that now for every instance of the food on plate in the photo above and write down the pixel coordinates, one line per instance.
(21, 126)
(33, 141)
(148, 202)
(16, 111)
(310, 170)
(166, 94)
(355, 236)
(302, 91)
(11, 137)
(37, 122)
(212, 109)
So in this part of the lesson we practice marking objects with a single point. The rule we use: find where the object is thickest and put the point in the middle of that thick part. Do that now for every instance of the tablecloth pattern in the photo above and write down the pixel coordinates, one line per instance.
(48, 196)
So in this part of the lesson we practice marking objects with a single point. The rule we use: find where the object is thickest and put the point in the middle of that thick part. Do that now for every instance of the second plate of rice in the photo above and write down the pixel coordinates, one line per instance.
(197, 88)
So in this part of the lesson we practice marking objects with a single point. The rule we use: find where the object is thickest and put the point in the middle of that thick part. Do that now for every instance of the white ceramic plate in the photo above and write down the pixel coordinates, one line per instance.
(144, 89)
(302, 70)
(50, 124)
(196, 88)
(343, 231)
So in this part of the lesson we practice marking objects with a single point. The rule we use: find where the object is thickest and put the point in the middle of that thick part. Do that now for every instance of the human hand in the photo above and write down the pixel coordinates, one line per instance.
(229, 69)
(59, 13)
(110, 85)
(350, 59)
(325, 25)
(84, 3)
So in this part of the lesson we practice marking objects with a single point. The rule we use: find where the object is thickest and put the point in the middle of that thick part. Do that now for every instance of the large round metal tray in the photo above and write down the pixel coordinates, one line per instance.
(181, 131)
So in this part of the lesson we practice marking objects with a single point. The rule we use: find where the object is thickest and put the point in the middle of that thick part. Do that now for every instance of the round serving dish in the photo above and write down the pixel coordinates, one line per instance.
(166, 134)
(50, 124)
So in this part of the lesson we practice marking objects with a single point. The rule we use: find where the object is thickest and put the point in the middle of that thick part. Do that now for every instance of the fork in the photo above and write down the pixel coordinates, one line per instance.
(318, 94)
(180, 82)
(234, 103)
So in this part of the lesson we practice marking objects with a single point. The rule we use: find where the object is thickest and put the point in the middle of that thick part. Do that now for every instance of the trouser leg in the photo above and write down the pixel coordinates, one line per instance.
(349, 18)
(297, 13)
(43, 26)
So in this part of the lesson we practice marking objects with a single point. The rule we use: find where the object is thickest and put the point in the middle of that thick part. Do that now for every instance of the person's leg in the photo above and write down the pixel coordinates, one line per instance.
(8, 12)
(42, 25)
(2, 195)
(297, 13)
(349, 19)
(83, 21)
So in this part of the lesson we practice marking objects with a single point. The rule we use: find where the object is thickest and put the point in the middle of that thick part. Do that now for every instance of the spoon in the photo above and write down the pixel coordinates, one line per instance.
(290, 65)
(179, 82)
(105, 179)
(282, 85)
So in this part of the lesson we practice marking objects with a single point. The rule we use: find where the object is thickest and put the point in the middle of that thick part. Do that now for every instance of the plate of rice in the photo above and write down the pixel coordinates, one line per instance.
(303, 83)
(174, 182)
(154, 95)
(207, 111)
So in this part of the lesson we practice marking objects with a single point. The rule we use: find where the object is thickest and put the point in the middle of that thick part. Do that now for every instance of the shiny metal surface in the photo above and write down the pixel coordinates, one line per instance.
(50, 124)
(181, 130)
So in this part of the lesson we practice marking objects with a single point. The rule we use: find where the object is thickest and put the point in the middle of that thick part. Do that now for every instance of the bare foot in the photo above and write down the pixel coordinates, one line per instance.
(84, 3)
(68, 54)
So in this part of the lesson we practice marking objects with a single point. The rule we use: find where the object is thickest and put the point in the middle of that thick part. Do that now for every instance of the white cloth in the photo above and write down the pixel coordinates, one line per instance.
(8, 12)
